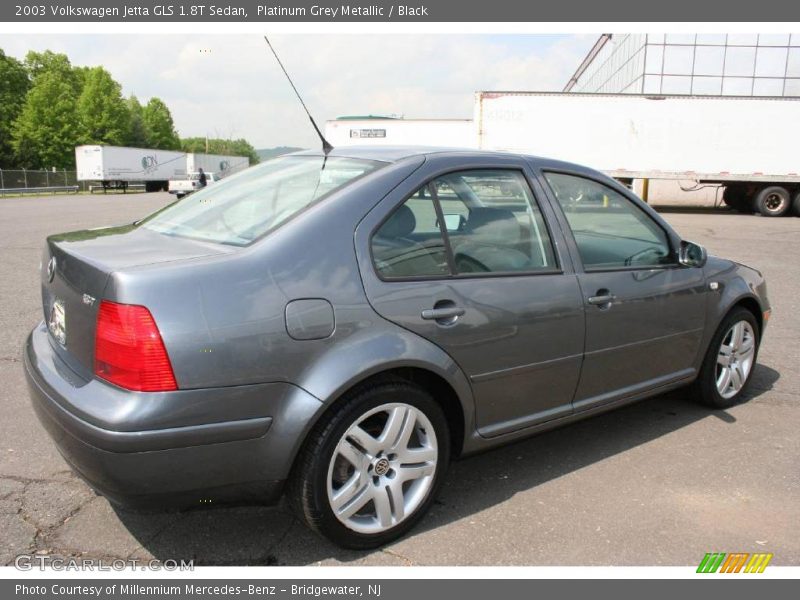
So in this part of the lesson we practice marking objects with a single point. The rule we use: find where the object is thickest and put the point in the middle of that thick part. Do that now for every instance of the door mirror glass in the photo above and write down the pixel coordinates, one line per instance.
(692, 255)
(454, 222)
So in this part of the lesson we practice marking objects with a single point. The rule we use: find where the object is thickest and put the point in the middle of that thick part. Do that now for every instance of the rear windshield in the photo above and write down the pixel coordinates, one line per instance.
(246, 206)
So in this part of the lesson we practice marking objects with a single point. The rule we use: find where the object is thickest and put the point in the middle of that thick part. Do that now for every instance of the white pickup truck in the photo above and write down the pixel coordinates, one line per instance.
(182, 187)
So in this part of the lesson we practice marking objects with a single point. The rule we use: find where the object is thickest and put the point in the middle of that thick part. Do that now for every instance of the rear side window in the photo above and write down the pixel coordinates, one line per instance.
(410, 242)
(609, 230)
(465, 223)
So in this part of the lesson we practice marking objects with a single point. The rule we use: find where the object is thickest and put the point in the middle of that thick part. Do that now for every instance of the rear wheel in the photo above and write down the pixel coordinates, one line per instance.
(371, 468)
(773, 201)
(729, 361)
(796, 203)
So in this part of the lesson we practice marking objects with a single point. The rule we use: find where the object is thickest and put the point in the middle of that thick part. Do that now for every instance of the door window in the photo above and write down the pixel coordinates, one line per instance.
(609, 229)
(493, 223)
(465, 223)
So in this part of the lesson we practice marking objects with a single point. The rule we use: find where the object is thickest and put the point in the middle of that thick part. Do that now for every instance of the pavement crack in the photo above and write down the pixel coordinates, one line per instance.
(394, 554)
(277, 544)
(143, 545)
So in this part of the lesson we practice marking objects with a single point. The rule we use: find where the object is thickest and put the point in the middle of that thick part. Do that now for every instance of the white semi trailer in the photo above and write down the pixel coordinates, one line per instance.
(381, 131)
(118, 167)
(219, 164)
(745, 145)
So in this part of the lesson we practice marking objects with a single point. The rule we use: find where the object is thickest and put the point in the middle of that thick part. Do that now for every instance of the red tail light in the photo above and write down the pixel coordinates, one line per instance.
(129, 351)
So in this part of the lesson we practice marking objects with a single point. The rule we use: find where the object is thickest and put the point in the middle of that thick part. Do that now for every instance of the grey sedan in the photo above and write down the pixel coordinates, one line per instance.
(341, 326)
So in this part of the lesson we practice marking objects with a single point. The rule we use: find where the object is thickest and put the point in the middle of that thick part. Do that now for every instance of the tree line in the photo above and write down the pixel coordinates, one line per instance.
(48, 106)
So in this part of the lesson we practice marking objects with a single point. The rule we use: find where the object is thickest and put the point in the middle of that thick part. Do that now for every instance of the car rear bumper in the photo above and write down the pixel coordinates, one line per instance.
(190, 447)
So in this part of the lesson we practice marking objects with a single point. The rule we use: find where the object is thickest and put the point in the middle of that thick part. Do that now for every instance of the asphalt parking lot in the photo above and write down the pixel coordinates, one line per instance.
(661, 482)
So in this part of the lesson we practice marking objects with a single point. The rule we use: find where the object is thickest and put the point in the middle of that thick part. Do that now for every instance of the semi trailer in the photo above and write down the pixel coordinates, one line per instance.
(118, 167)
(737, 150)
(743, 145)
(220, 165)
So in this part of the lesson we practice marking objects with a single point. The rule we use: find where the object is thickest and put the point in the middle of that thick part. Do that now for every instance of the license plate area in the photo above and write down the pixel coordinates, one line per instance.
(57, 322)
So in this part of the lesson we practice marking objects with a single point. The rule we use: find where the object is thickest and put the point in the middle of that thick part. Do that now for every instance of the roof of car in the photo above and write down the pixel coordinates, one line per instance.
(398, 153)
(390, 153)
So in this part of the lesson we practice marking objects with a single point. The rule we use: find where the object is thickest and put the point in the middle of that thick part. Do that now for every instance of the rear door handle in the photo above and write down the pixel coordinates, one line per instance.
(442, 314)
(601, 300)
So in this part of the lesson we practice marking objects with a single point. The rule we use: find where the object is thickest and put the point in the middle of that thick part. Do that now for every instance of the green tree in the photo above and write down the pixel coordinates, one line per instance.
(137, 135)
(45, 132)
(103, 115)
(240, 147)
(39, 63)
(14, 84)
(159, 127)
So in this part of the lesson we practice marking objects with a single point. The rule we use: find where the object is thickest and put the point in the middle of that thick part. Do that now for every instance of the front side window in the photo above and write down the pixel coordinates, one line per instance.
(610, 230)
(463, 223)
(247, 205)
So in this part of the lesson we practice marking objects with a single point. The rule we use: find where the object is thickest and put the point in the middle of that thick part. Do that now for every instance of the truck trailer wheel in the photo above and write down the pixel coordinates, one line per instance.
(796, 203)
(738, 199)
(773, 201)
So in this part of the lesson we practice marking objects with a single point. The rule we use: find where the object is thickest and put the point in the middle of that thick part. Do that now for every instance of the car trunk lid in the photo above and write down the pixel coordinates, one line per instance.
(75, 271)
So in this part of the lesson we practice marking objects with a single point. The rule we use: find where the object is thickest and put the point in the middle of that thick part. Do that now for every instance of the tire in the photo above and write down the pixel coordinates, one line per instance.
(796, 203)
(710, 388)
(738, 199)
(326, 466)
(773, 201)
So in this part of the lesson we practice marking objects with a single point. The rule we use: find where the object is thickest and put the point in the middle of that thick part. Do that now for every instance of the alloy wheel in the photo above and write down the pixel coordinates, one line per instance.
(735, 359)
(383, 468)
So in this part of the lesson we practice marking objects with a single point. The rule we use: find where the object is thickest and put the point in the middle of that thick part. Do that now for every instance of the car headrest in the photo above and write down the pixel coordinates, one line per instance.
(494, 226)
(400, 224)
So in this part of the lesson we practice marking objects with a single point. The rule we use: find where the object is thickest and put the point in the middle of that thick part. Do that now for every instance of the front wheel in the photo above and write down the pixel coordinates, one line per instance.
(729, 361)
(371, 468)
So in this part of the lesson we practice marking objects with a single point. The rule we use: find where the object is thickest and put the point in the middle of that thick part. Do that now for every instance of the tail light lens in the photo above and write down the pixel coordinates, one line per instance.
(129, 351)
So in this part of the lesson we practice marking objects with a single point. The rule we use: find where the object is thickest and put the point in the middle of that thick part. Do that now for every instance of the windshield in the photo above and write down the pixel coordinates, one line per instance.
(248, 205)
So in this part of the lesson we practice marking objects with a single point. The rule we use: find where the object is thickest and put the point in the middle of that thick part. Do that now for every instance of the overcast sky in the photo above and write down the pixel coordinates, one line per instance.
(229, 86)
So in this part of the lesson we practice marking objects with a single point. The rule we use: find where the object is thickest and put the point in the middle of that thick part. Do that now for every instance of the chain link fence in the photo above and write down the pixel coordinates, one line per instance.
(21, 181)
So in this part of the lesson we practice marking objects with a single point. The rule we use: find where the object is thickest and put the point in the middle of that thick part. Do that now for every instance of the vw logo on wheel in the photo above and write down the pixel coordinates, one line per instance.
(382, 467)
(51, 269)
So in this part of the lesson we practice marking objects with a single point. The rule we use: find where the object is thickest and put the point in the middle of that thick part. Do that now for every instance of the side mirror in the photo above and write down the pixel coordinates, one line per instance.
(453, 222)
(692, 255)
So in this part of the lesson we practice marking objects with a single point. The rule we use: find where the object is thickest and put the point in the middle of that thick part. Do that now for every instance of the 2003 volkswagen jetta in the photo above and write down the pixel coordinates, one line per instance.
(340, 326)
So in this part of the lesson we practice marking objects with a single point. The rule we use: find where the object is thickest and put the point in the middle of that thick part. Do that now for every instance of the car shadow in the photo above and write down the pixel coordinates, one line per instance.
(253, 535)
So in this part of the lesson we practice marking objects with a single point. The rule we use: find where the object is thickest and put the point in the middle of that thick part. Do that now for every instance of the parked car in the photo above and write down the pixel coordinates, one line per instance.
(184, 187)
(341, 326)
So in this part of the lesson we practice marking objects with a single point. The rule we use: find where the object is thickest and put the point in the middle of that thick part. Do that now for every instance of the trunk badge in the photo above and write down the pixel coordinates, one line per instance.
(51, 269)
(87, 299)
(57, 323)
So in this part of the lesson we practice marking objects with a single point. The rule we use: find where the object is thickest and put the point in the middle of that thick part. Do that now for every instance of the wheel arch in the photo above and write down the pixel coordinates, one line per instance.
(752, 304)
(416, 360)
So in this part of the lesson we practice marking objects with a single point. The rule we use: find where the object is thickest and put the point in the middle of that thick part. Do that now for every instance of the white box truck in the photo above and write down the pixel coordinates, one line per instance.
(746, 146)
(117, 167)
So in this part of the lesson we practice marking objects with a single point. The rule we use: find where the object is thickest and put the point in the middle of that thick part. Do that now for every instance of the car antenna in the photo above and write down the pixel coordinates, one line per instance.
(326, 146)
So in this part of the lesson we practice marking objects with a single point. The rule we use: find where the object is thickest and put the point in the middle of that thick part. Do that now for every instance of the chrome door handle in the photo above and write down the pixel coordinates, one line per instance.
(442, 314)
(601, 300)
